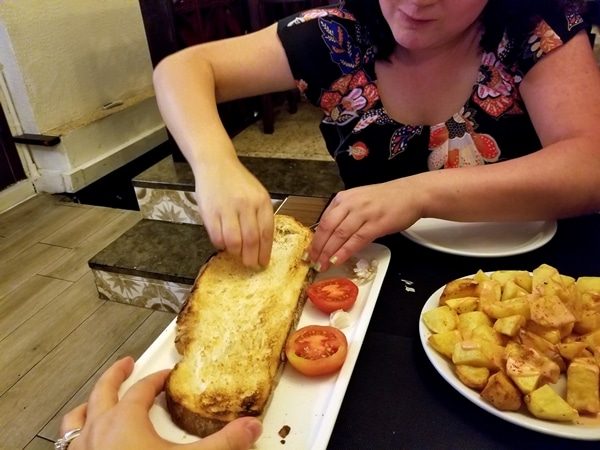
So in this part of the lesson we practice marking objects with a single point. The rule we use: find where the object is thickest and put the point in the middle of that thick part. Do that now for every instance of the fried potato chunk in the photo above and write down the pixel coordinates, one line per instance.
(462, 305)
(502, 393)
(462, 287)
(510, 325)
(445, 342)
(521, 278)
(545, 403)
(474, 377)
(440, 319)
(478, 353)
(510, 307)
(583, 382)
(467, 322)
(549, 311)
(524, 365)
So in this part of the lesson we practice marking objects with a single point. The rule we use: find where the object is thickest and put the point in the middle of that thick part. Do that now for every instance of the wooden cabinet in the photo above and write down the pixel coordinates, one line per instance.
(172, 25)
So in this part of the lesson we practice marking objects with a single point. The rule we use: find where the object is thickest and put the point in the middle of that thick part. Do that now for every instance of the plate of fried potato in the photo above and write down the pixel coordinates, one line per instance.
(524, 346)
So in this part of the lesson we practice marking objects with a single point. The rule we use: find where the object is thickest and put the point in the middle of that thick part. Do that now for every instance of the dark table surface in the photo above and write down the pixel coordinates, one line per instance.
(396, 399)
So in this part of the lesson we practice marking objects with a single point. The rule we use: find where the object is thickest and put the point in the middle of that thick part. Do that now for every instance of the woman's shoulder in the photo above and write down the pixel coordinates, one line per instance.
(320, 29)
(325, 13)
(323, 45)
(549, 30)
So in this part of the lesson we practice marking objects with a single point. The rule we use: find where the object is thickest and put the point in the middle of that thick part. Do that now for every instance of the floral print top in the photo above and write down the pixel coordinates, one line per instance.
(334, 68)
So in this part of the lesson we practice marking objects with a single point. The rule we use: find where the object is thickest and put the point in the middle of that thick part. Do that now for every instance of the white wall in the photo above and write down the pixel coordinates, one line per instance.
(63, 61)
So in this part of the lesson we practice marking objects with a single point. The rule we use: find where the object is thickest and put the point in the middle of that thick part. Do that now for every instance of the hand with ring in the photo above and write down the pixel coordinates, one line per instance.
(105, 422)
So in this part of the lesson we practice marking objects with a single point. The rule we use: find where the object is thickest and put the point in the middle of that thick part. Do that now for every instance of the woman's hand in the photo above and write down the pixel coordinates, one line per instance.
(235, 207)
(110, 423)
(237, 212)
(358, 216)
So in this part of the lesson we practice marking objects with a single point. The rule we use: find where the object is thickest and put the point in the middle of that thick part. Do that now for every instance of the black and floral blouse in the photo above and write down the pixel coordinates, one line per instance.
(334, 68)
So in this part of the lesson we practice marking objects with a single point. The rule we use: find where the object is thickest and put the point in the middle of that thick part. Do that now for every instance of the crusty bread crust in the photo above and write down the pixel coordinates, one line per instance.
(232, 330)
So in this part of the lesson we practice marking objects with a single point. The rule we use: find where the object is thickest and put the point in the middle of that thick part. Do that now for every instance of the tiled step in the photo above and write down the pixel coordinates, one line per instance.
(165, 191)
(152, 265)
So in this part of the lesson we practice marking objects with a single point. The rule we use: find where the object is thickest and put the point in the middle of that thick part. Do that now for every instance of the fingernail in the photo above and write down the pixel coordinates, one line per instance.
(317, 267)
(333, 259)
(304, 256)
(254, 428)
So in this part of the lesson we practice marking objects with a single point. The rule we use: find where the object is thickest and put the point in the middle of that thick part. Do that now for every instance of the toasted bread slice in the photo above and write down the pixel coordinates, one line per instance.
(232, 331)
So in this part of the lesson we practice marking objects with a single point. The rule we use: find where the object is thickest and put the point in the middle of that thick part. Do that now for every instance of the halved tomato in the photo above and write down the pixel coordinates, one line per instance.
(317, 350)
(332, 294)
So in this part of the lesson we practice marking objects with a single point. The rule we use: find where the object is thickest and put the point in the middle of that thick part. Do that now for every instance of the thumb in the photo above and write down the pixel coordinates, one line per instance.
(237, 435)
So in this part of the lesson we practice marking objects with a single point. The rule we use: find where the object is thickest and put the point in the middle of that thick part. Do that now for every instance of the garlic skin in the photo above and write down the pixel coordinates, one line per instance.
(340, 319)
(361, 271)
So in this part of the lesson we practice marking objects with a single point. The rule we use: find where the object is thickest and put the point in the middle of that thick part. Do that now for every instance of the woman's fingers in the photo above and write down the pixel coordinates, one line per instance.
(250, 242)
(257, 235)
(145, 390)
(266, 227)
(353, 220)
(239, 219)
(214, 229)
(328, 236)
(350, 236)
(231, 229)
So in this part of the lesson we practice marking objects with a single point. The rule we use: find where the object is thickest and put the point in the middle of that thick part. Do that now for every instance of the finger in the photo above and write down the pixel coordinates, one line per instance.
(213, 228)
(232, 234)
(354, 244)
(266, 225)
(324, 236)
(143, 392)
(211, 220)
(250, 238)
(74, 419)
(347, 236)
(105, 394)
(237, 435)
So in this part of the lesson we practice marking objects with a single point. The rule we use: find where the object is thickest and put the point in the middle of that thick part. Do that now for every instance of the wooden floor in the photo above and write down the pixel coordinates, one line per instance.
(56, 334)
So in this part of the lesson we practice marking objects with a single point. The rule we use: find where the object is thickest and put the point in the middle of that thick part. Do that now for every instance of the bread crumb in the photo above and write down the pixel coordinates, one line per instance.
(285, 431)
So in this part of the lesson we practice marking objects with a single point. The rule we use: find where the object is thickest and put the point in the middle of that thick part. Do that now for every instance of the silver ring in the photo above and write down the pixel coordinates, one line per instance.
(63, 442)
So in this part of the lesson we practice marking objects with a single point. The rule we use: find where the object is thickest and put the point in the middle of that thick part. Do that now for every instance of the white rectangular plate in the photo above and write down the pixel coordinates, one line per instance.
(309, 406)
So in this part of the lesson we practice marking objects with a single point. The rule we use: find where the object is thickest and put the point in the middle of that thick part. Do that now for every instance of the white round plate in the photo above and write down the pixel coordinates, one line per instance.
(588, 430)
(484, 239)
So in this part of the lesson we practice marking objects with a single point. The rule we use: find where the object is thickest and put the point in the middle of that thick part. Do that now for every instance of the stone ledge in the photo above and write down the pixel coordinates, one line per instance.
(158, 250)
(280, 176)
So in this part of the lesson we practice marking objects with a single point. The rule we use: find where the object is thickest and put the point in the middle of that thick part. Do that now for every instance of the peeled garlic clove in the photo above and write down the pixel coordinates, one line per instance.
(340, 319)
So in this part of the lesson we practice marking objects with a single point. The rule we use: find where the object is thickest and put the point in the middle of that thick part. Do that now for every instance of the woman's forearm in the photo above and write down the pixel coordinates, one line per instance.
(548, 184)
(190, 83)
(185, 92)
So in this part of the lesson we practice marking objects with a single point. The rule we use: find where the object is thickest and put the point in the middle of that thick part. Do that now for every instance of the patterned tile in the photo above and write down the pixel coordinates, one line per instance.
(168, 205)
(144, 292)
(172, 206)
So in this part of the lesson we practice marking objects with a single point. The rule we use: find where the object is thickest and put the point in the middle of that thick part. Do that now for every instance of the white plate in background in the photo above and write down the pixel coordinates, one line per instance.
(483, 239)
(309, 406)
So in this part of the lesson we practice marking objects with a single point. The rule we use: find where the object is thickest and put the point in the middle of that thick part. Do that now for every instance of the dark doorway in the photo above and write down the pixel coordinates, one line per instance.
(11, 169)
